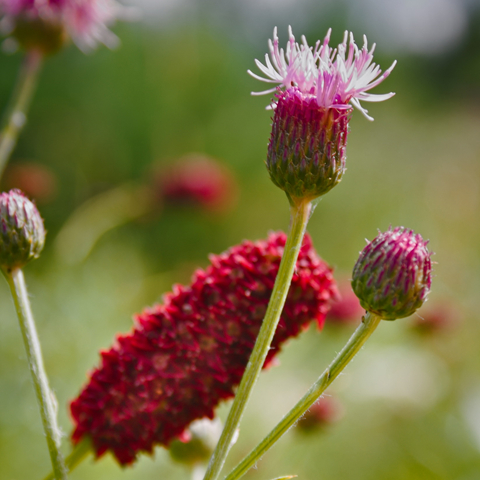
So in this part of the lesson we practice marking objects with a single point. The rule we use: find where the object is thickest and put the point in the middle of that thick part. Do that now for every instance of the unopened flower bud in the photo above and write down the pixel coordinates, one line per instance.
(392, 276)
(22, 234)
(203, 436)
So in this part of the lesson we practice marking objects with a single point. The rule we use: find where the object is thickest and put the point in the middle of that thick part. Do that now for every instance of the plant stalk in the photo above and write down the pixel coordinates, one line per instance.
(369, 323)
(16, 115)
(79, 453)
(300, 213)
(44, 395)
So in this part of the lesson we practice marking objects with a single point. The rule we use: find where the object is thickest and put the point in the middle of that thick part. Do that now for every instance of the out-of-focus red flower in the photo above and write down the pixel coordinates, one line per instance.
(36, 180)
(345, 308)
(325, 411)
(197, 180)
(186, 355)
(436, 318)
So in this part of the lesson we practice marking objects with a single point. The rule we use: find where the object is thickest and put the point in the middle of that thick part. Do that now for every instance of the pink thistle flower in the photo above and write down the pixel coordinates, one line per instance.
(334, 77)
(316, 88)
(183, 357)
(44, 23)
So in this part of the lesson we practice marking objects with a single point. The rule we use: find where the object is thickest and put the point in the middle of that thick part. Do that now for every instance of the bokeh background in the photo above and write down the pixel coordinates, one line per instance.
(102, 129)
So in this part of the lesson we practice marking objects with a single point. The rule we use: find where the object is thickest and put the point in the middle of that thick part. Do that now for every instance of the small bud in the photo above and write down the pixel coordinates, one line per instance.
(198, 446)
(306, 154)
(22, 234)
(392, 276)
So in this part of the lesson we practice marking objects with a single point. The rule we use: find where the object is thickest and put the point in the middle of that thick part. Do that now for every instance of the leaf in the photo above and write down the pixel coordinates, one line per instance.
(287, 477)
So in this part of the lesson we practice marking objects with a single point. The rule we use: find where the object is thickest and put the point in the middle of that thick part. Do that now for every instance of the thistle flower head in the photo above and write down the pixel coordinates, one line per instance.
(185, 356)
(316, 88)
(45, 24)
(393, 275)
(22, 234)
(334, 77)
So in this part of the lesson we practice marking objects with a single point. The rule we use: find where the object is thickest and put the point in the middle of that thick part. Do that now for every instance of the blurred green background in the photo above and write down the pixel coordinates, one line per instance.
(178, 84)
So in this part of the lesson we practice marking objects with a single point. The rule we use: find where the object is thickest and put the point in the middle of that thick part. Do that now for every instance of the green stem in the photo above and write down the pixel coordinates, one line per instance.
(16, 115)
(17, 285)
(359, 337)
(79, 453)
(300, 213)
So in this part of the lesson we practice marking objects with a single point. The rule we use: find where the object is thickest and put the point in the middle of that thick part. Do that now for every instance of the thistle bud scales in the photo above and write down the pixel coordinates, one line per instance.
(306, 154)
(392, 276)
(22, 234)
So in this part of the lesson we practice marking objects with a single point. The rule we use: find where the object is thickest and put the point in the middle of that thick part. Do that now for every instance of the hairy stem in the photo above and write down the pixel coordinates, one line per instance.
(79, 453)
(16, 115)
(300, 213)
(354, 344)
(17, 285)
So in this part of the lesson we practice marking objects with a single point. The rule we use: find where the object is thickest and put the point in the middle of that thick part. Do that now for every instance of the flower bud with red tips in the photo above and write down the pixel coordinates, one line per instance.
(22, 234)
(393, 274)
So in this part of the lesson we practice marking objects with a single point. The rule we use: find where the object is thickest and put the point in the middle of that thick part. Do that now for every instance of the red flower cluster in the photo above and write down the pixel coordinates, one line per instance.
(197, 180)
(187, 354)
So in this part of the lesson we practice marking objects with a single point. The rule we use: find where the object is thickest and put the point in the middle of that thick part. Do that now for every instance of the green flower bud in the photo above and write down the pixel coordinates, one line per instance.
(393, 275)
(22, 234)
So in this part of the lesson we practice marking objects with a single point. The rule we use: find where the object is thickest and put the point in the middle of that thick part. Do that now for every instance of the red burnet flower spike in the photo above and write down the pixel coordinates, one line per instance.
(186, 355)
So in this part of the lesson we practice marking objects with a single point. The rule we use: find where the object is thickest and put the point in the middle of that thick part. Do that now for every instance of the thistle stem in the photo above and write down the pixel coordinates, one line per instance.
(79, 453)
(300, 213)
(16, 115)
(369, 323)
(18, 288)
